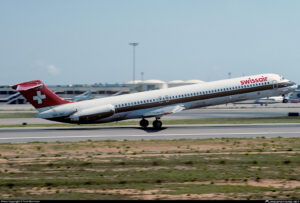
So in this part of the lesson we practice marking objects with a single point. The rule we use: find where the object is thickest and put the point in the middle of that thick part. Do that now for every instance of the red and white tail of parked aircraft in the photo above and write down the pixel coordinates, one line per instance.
(156, 103)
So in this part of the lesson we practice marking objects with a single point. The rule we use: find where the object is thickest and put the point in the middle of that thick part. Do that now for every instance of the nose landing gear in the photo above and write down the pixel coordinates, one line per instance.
(284, 100)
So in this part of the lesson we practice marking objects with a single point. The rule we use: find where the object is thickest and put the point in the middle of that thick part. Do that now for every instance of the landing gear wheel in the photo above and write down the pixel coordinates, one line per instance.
(157, 124)
(144, 123)
(284, 99)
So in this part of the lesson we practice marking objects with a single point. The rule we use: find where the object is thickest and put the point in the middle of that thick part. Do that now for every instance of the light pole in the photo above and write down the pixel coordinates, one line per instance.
(229, 75)
(133, 44)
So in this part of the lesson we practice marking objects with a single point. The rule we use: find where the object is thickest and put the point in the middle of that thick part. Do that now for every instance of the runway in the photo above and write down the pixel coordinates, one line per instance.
(48, 134)
(62, 134)
(202, 113)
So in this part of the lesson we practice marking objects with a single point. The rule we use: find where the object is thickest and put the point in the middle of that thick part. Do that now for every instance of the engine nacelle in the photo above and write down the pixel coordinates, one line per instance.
(58, 111)
(94, 113)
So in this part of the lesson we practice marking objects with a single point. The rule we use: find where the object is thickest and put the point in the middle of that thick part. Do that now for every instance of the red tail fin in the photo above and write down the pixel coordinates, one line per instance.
(38, 94)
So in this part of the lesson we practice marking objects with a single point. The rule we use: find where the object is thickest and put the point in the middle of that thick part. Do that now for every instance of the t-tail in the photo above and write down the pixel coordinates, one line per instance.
(38, 94)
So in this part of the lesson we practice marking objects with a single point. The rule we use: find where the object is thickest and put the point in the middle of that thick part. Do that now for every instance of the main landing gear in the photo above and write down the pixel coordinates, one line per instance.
(144, 123)
(156, 123)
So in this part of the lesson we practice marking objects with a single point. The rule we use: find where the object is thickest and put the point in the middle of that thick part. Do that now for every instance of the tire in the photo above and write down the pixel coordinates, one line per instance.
(157, 124)
(144, 123)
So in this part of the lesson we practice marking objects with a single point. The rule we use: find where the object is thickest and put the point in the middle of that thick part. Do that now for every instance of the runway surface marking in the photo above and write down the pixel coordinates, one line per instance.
(148, 135)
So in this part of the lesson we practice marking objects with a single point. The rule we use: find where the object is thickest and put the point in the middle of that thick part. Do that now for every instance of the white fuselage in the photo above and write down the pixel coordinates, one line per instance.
(138, 105)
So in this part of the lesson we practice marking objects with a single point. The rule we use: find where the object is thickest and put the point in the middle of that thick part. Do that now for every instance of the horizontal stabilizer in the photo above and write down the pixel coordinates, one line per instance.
(27, 86)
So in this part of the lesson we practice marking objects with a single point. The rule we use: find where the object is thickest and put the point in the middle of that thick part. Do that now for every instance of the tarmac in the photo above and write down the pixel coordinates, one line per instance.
(220, 111)
(115, 132)
(71, 134)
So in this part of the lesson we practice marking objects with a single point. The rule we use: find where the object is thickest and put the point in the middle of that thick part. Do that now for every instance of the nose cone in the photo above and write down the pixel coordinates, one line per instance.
(288, 86)
(292, 86)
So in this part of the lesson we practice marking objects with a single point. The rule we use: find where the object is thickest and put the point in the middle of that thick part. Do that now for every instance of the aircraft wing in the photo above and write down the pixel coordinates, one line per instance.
(164, 111)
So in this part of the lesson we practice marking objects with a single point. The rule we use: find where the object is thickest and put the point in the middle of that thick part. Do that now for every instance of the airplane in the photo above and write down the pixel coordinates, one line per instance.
(155, 103)
(265, 101)
(271, 100)
(84, 96)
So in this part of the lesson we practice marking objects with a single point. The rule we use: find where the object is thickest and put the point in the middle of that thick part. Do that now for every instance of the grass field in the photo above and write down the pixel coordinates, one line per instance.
(260, 168)
(17, 115)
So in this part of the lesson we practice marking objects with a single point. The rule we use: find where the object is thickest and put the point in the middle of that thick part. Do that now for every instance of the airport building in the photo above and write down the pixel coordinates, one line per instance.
(69, 92)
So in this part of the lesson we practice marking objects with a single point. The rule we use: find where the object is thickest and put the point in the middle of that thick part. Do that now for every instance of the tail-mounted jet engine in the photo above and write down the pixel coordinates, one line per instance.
(93, 113)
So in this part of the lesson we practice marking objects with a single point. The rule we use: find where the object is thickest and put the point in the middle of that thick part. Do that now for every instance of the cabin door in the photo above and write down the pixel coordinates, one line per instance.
(275, 84)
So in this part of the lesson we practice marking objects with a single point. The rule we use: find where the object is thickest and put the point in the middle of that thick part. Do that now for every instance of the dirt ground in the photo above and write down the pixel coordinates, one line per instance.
(103, 151)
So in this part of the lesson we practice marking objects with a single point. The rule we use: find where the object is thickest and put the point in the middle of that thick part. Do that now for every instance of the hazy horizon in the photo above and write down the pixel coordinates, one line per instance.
(87, 42)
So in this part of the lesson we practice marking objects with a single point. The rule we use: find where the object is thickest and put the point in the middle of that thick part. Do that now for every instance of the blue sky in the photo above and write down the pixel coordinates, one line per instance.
(86, 41)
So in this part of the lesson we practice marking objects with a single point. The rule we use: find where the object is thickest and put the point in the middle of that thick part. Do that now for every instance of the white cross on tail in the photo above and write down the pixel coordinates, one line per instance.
(39, 97)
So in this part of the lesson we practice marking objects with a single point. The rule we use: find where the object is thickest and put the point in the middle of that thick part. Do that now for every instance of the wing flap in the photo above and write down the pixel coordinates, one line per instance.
(164, 111)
